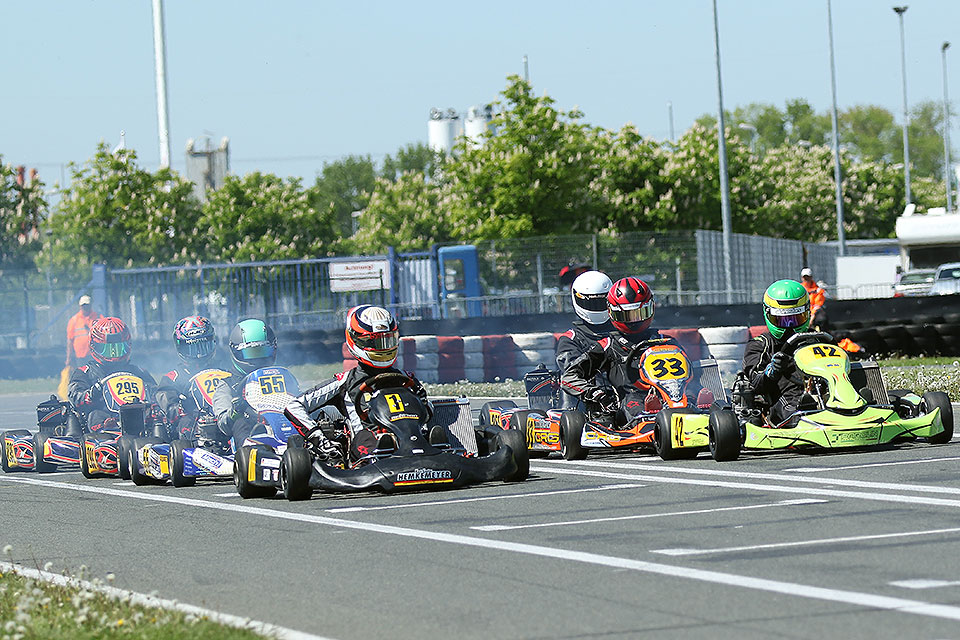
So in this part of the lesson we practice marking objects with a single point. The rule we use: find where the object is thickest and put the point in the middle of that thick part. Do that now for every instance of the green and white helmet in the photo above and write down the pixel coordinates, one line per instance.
(252, 345)
(786, 308)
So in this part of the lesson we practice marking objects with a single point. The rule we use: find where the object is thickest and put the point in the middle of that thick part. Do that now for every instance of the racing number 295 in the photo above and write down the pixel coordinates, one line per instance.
(128, 388)
(272, 384)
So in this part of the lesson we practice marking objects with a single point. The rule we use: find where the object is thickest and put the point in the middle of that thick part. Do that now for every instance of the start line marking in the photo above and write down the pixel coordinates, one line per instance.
(866, 600)
(868, 465)
(782, 503)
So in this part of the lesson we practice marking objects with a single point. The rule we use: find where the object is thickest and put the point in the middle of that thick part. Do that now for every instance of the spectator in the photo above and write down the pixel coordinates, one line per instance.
(78, 332)
(818, 297)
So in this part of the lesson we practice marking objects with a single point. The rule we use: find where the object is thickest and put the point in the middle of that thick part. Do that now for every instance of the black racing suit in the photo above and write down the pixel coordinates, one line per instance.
(577, 340)
(235, 418)
(608, 356)
(175, 399)
(339, 392)
(783, 391)
(86, 395)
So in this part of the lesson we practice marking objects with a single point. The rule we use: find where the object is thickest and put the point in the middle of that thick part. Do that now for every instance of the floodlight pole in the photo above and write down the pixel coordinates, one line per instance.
(837, 177)
(724, 179)
(159, 54)
(906, 116)
(946, 129)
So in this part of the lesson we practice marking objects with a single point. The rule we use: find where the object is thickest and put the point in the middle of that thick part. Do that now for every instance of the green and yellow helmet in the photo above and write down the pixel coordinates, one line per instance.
(786, 308)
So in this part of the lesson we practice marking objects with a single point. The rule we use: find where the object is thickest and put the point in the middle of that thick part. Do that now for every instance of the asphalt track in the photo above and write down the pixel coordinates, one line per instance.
(851, 545)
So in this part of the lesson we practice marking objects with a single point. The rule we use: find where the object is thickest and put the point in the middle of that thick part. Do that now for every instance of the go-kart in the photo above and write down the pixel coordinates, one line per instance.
(252, 464)
(844, 404)
(666, 381)
(401, 449)
(64, 440)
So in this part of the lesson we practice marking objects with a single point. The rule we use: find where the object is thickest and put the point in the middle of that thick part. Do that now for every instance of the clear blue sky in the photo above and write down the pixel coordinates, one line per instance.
(294, 83)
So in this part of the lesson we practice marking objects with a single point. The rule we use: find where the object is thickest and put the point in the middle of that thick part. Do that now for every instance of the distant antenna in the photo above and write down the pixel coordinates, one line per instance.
(526, 71)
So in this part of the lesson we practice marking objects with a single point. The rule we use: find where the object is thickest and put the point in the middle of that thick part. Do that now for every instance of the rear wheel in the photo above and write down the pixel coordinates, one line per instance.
(296, 467)
(140, 478)
(724, 436)
(84, 463)
(123, 456)
(939, 400)
(5, 462)
(40, 466)
(241, 476)
(518, 445)
(663, 438)
(176, 463)
(484, 418)
(571, 428)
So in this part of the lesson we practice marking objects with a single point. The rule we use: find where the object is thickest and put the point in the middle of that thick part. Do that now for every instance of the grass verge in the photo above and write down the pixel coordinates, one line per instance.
(33, 608)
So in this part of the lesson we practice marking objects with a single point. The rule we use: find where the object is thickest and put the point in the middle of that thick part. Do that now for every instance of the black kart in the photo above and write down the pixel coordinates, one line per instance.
(403, 448)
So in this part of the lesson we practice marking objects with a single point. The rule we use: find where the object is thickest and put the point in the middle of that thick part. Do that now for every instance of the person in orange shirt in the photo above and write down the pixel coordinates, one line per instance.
(818, 298)
(78, 332)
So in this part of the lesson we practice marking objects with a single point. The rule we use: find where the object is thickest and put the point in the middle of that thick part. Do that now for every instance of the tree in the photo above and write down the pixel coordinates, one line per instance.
(803, 123)
(870, 131)
(926, 141)
(418, 158)
(23, 210)
(405, 214)
(343, 187)
(118, 214)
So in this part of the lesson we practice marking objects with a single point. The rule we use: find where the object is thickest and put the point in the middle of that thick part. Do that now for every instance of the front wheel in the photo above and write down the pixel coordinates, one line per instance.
(939, 400)
(140, 478)
(5, 462)
(241, 476)
(177, 478)
(724, 436)
(84, 462)
(571, 430)
(484, 418)
(296, 467)
(663, 438)
(123, 456)
(39, 465)
(518, 445)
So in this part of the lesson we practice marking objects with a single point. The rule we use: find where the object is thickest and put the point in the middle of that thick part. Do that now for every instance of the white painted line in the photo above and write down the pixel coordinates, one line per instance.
(262, 628)
(434, 503)
(229, 494)
(925, 584)
(125, 483)
(868, 465)
(782, 503)
(867, 600)
(739, 474)
(775, 488)
(802, 543)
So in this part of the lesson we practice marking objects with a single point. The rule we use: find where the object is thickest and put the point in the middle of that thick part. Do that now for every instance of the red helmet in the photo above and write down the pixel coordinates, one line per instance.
(373, 336)
(110, 340)
(631, 305)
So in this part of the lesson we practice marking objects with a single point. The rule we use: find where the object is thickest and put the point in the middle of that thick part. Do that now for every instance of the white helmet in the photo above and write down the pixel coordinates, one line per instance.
(589, 294)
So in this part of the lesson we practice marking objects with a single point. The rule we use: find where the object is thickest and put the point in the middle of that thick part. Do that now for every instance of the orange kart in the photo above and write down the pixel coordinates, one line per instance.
(666, 379)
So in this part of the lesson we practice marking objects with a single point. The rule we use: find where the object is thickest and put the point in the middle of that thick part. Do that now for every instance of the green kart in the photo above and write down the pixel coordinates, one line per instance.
(844, 405)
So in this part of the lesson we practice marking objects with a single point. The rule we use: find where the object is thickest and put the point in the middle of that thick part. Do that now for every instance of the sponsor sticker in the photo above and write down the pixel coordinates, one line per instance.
(866, 435)
(423, 476)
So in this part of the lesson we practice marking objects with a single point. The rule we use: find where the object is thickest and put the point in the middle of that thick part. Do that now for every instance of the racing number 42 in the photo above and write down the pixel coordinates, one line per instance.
(825, 351)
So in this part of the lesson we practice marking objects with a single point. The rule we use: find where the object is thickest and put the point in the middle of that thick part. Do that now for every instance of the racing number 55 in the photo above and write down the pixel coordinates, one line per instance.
(272, 384)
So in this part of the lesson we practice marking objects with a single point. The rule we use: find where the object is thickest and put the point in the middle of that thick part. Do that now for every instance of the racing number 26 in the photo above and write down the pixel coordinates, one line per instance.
(272, 384)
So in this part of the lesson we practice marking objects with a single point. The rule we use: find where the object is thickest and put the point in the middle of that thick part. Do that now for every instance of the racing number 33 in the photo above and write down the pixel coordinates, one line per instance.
(668, 368)
(272, 384)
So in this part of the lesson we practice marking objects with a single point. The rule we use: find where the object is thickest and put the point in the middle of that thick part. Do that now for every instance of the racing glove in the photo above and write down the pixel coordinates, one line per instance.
(775, 369)
(605, 398)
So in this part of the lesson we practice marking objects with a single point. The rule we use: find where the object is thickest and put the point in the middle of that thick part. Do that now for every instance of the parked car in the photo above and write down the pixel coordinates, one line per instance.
(914, 283)
(947, 280)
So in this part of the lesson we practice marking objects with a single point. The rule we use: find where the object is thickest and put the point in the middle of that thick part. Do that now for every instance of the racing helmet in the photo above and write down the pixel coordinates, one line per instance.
(631, 305)
(195, 338)
(589, 294)
(110, 340)
(373, 336)
(786, 308)
(252, 345)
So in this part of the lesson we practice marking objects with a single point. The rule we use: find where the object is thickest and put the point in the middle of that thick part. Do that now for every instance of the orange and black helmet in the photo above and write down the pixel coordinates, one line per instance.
(110, 340)
(373, 336)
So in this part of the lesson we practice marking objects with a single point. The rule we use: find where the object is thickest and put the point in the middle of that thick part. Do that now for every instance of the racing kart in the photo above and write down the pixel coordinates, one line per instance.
(64, 440)
(252, 464)
(667, 381)
(401, 449)
(844, 404)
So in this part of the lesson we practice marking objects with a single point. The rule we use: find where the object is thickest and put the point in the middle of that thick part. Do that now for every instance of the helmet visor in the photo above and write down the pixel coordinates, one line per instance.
(110, 350)
(198, 349)
(790, 318)
(379, 347)
(250, 351)
(590, 301)
(632, 313)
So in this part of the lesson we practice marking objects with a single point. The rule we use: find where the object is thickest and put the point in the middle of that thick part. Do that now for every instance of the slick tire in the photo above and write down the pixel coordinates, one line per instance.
(663, 441)
(4, 460)
(724, 436)
(939, 400)
(123, 456)
(177, 478)
(296, 467)
(140, 478)
(484, 418)
(571, 428)
(84, 463)
(517, 443)
(39, 465)
(241, 475)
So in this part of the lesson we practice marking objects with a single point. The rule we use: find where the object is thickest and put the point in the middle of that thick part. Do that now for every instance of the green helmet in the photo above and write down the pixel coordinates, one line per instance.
(786, 308)
(252, 345)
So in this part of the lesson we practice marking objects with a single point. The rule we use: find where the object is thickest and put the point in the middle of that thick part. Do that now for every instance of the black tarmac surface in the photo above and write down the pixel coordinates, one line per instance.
(860, 544)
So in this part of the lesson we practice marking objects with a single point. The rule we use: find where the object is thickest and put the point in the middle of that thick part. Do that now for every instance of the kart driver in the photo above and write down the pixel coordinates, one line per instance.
(373, 337)
(589, 295)
(769, 372)
(196, 341)
(631, 306)
(253, 345)
(109, 353)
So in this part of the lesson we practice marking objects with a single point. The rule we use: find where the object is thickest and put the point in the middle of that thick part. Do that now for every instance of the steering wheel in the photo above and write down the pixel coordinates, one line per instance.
(644, 345)
(383, 380)
(798, 340)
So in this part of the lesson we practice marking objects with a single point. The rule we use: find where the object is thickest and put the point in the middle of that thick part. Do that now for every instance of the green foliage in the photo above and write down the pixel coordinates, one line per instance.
(23, 210)
(343, 187)
(119, 214)
(405, 214)
(417, 158)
